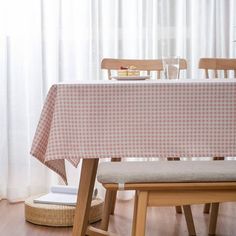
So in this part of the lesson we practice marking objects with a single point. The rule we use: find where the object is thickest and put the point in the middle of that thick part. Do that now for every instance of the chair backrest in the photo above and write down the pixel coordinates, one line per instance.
(217, 64)
(142, 65)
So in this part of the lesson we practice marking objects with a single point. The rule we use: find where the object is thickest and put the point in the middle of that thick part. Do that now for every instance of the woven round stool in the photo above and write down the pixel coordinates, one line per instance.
(58, 215)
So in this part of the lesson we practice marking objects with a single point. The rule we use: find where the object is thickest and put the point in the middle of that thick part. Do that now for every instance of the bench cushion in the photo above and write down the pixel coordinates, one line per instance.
(166, 171)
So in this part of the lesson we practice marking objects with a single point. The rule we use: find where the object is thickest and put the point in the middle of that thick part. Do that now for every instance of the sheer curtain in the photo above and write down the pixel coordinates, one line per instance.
(43, 42)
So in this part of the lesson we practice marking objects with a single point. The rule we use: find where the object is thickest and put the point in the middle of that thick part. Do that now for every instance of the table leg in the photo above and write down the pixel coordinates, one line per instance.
(87, 180)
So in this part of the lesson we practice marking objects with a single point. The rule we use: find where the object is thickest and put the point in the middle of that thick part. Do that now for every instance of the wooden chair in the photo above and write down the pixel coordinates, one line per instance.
(147, 65)
(216, 65)
(164, 183)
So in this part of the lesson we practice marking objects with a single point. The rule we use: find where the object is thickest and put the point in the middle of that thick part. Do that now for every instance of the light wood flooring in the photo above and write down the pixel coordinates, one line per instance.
(160, 221)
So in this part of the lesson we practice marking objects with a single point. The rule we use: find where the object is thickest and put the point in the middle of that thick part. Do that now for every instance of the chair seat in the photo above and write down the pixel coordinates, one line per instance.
(166, 171)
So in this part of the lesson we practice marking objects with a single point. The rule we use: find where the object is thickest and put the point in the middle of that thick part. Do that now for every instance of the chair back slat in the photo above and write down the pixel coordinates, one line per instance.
(109, 74)
(225, 74)
(206, 73)
(215, 74)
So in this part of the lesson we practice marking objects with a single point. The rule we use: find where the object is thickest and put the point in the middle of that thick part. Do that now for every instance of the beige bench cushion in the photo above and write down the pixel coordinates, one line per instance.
(167, 171)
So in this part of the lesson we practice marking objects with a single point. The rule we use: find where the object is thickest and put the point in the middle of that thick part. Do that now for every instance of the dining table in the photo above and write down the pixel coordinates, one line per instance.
(89, 120)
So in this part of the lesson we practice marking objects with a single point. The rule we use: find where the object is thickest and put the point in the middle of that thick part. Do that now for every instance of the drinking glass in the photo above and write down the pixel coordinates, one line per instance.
(171, 67)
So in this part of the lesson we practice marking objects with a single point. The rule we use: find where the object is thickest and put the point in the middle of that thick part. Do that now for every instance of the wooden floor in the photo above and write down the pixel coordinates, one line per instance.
(160, 221)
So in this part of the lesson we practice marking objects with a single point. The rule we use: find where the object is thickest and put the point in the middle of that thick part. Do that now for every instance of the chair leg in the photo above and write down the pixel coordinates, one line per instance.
(173, 158)
(135, 213)
(213, 218)
(178, 209)
(218, 158)
(114, 193)
(189, 220)
(207, 208)
(141, 213)
(106, 210)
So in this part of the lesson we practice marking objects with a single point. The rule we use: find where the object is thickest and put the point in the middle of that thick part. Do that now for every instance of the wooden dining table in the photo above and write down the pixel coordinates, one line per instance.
(156, 118)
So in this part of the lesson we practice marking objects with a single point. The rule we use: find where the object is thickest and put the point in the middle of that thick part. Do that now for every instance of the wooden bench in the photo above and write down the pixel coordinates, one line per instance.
(163, 183)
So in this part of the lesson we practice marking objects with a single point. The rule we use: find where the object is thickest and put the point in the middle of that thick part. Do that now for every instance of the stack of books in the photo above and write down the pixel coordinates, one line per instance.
(61, 195)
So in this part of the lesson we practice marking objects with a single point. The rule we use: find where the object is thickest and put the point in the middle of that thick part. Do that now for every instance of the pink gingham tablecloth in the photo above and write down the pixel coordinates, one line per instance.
(140, 119)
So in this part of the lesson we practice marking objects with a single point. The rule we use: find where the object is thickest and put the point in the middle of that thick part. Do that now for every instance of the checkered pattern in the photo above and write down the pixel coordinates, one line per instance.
(135, 120)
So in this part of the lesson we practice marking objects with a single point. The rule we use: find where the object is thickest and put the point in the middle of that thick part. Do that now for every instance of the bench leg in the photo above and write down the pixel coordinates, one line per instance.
(189, 220)
(135, 213)
(106, 210)
(213, 218)
(141, 213)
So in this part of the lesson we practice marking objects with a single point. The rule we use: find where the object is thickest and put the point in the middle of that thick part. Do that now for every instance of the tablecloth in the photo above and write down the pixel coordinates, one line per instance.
(104, 120)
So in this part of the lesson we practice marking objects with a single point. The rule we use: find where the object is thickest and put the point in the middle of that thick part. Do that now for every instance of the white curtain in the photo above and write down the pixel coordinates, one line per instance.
(46, 41)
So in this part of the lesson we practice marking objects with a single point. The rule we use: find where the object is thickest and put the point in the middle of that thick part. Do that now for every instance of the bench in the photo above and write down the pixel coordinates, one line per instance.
(164, 183)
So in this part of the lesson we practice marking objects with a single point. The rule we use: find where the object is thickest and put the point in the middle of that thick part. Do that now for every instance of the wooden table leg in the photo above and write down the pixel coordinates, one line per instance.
(87, 180)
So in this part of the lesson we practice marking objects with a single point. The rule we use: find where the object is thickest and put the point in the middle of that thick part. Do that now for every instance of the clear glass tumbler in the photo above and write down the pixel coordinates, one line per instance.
(171, 67)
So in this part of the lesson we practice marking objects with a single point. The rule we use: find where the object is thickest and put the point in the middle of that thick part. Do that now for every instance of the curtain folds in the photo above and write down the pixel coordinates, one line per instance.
(44, 42)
